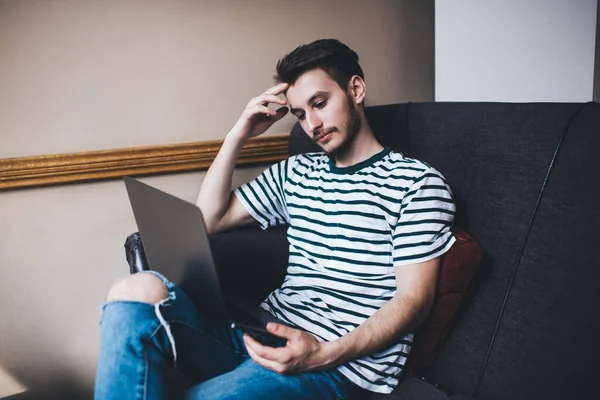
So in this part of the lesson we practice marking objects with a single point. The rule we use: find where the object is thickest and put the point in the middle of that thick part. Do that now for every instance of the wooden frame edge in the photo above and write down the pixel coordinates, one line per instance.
(22, 172)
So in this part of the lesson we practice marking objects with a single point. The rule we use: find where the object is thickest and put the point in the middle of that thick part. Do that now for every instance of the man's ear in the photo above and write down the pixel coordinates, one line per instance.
(358, 89)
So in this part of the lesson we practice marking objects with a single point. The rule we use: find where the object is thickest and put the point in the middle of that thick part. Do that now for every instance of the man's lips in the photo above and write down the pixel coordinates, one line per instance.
(324, 135)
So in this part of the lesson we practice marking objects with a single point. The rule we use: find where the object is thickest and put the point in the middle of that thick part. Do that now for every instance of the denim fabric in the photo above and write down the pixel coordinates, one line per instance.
(167, 350)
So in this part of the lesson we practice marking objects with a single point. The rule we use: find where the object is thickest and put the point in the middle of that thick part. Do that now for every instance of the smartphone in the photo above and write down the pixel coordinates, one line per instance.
(261, 335)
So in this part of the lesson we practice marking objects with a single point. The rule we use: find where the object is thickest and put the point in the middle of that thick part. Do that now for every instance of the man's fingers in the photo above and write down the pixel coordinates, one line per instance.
(277, 89)
(260, 109)
(264, 352)
(261, 351)
(283, 331)
(272, 365)
(265, 99)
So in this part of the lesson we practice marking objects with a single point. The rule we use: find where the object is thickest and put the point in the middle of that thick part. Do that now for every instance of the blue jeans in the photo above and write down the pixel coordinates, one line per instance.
(167, 351)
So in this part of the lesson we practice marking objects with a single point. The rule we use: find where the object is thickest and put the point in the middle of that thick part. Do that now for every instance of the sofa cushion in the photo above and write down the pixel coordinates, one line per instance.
(457, 269)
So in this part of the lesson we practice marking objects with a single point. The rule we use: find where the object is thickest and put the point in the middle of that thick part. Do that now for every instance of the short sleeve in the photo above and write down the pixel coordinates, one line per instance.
(423, 231)
(264, 197)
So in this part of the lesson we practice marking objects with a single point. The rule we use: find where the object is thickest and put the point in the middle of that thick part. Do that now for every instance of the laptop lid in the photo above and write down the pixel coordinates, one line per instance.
(176, 245)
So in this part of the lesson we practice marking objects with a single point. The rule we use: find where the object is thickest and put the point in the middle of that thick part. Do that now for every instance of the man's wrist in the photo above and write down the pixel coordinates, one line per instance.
(331, 354)
(234, 140)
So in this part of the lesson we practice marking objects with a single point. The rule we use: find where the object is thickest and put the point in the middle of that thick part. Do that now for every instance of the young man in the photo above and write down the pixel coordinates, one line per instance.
(367, 229)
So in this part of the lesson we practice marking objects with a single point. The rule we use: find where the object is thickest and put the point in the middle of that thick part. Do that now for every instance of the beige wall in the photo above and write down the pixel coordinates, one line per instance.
(86, 75)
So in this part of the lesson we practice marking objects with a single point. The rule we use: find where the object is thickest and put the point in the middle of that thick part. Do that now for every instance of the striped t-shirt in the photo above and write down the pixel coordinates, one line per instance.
(348, 229)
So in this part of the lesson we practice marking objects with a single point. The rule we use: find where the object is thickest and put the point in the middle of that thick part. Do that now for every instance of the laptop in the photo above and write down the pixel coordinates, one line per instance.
(177, 246)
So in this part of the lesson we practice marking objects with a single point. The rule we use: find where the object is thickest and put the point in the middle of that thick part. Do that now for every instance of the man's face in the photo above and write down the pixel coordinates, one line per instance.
(326, 112)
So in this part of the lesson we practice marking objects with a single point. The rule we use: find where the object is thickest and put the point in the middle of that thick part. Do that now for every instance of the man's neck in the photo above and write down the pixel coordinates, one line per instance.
(363, 147)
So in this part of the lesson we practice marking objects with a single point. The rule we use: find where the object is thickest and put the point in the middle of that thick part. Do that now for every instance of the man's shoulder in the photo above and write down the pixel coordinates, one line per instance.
(308, 160)
(316, 156)
(409, 169)
(397, 161)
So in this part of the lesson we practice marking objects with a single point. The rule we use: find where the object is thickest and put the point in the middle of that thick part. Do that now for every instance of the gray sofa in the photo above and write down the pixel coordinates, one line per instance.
(531, 327)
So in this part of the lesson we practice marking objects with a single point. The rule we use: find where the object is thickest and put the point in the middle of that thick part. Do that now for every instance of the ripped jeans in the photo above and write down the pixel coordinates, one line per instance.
(167, 351)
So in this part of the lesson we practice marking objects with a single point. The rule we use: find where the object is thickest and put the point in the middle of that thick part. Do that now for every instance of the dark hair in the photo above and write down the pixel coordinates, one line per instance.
(339, 61)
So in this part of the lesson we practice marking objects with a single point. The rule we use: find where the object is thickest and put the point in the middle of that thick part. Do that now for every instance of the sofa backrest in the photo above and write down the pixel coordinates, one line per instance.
(495, 157)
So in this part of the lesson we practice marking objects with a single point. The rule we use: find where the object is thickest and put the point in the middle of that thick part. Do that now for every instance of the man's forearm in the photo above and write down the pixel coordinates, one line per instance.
(303, 352)
(398, 317)
(215, 191)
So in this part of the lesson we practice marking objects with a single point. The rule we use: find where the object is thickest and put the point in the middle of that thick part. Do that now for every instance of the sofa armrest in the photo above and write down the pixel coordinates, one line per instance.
(134, 254)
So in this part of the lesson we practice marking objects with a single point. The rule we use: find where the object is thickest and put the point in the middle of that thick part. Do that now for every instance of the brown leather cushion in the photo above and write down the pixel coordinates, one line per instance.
(457, 269)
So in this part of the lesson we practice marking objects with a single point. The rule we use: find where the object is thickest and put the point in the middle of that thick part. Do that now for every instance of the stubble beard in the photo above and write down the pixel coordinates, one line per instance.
(353, 124)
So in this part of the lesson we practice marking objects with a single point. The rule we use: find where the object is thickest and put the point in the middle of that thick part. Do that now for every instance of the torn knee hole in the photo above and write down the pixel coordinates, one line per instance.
(145, 288)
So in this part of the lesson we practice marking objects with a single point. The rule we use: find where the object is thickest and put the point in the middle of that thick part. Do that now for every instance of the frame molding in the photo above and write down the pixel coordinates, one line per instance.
(44, 170)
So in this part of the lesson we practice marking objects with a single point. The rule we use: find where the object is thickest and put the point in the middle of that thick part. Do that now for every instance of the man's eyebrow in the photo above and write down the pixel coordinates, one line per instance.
(310, 100)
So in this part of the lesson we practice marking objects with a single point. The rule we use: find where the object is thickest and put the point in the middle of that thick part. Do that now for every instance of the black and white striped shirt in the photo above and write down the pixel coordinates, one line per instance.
(348, 229)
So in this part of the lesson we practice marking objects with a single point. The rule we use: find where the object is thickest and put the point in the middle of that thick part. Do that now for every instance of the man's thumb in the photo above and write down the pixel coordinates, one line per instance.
(279, 330)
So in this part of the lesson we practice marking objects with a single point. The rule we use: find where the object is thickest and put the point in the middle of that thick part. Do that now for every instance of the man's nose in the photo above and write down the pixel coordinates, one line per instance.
(313, 122)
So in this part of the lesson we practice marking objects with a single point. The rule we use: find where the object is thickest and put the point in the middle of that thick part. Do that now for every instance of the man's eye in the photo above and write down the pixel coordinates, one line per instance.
(300, 117)
(320, 104)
